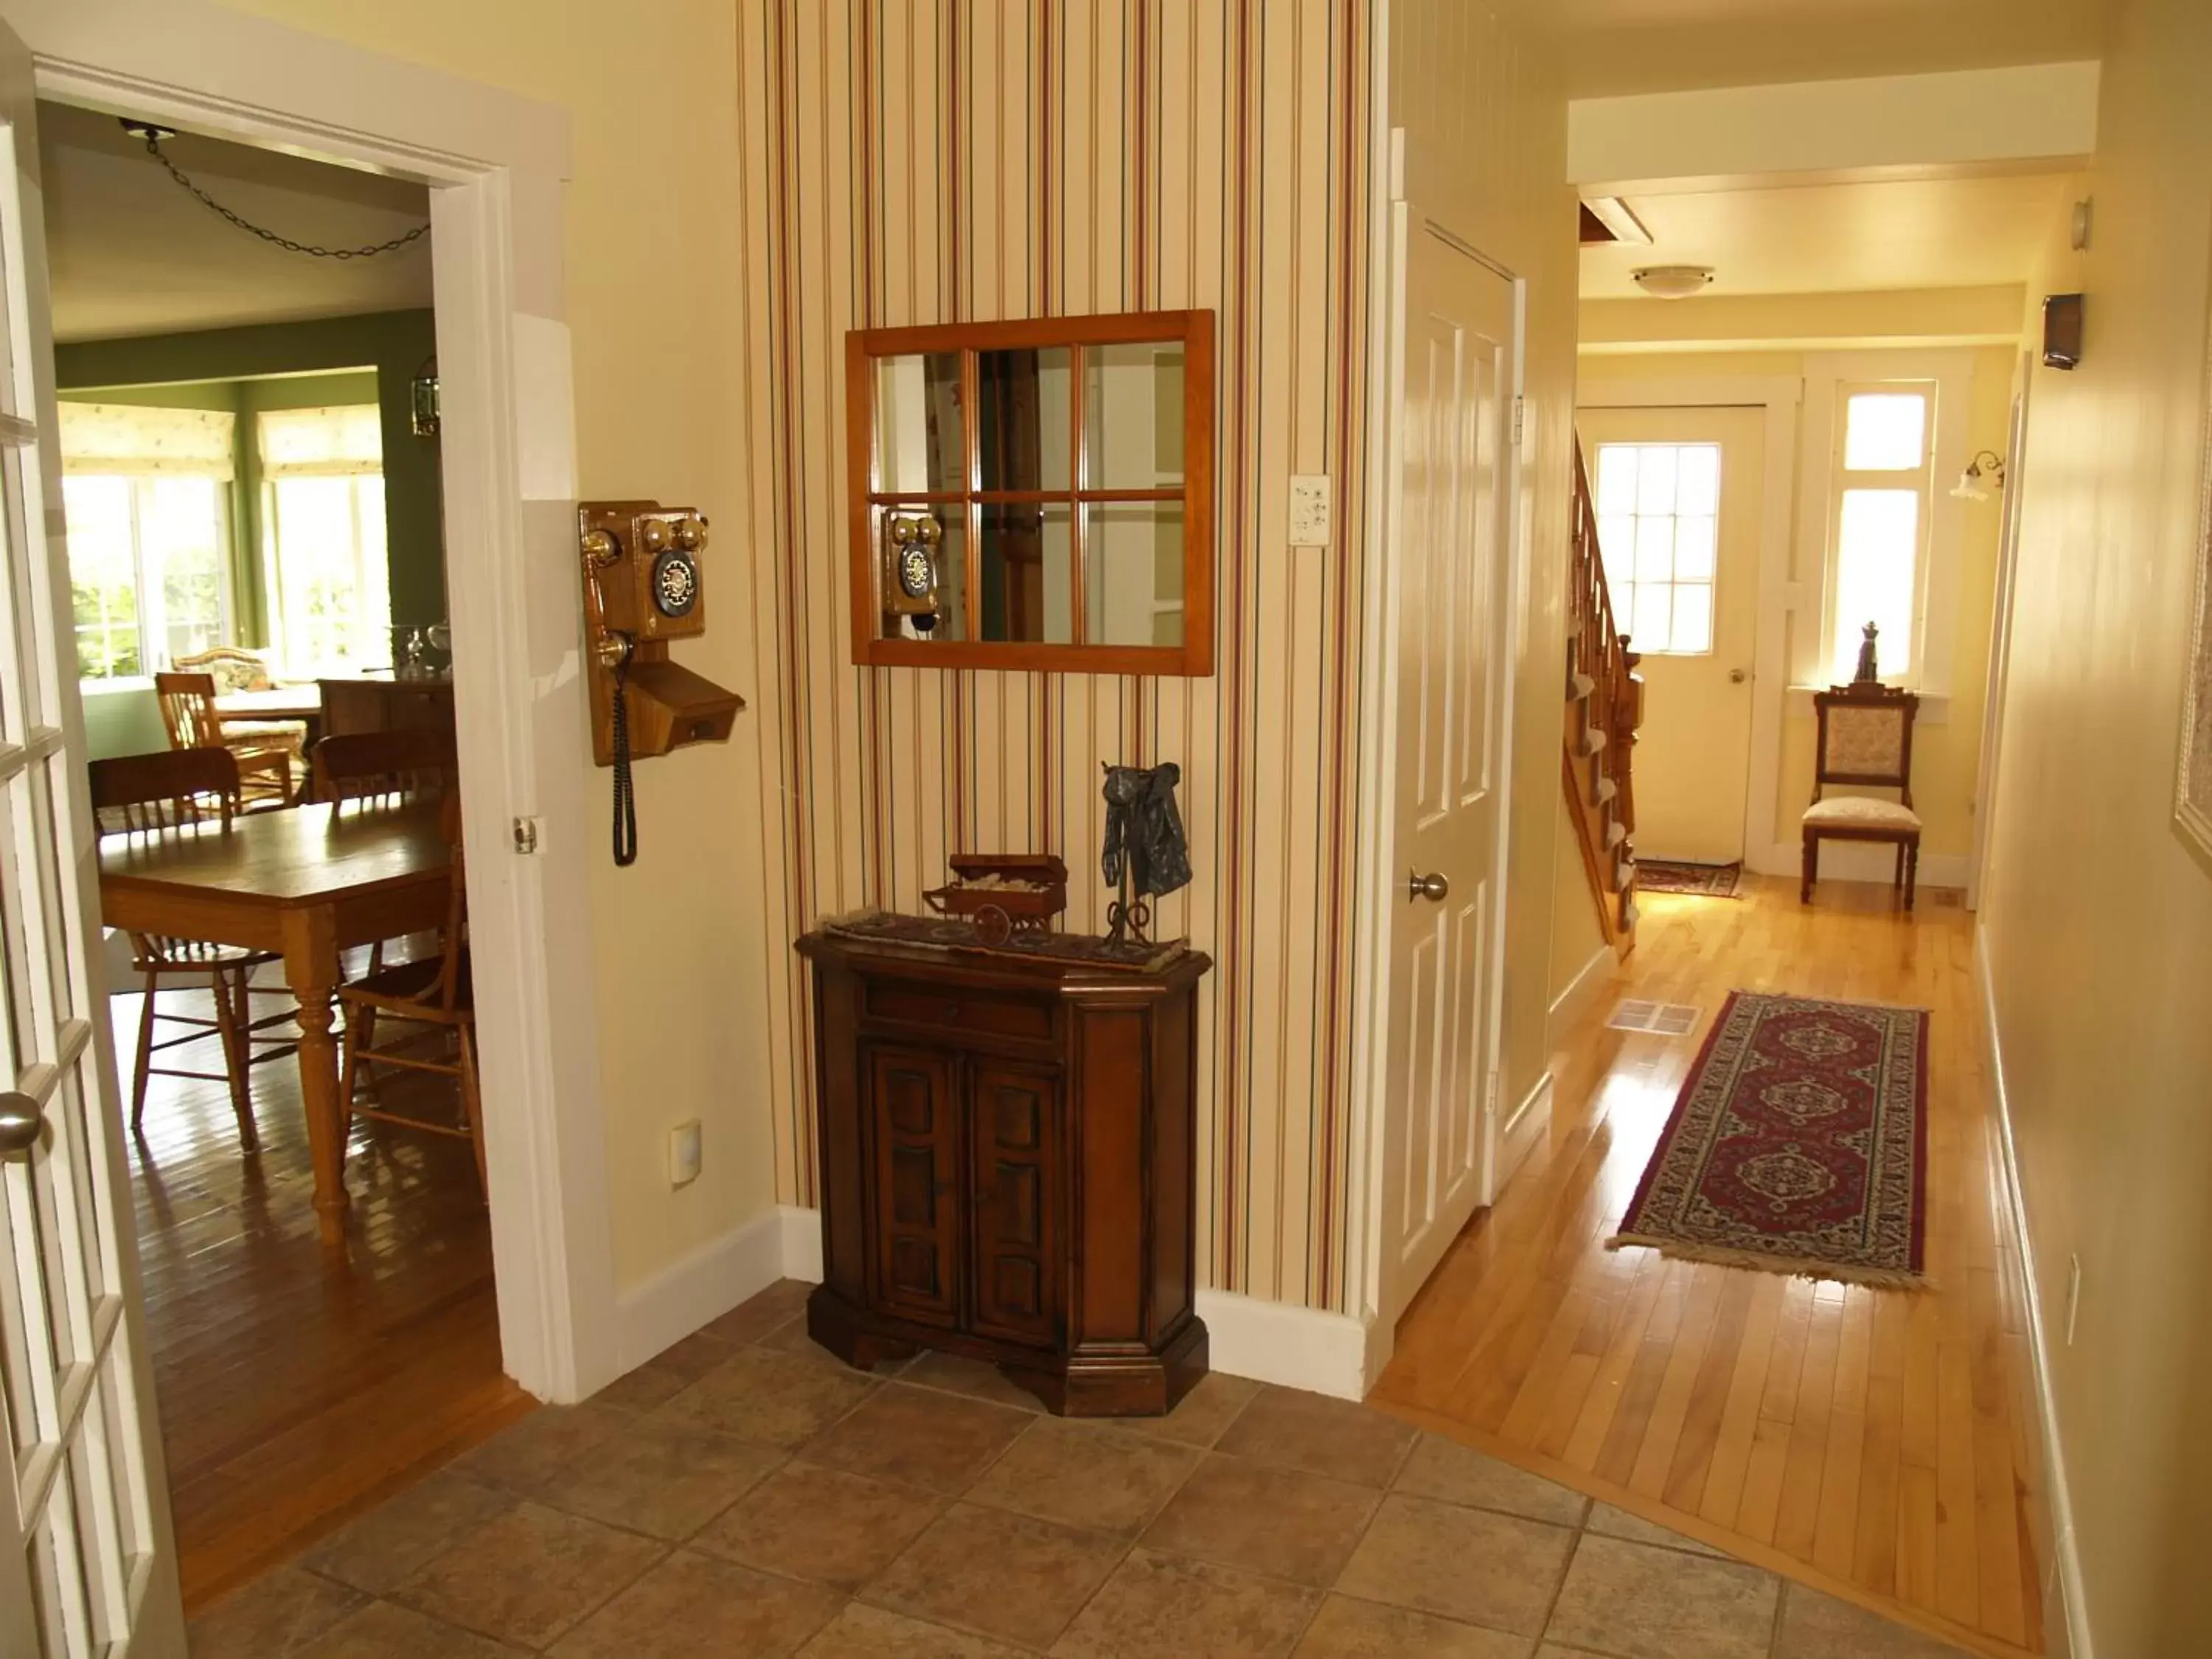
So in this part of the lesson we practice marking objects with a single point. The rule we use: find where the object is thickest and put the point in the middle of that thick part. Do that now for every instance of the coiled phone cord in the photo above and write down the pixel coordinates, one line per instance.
(625, 823)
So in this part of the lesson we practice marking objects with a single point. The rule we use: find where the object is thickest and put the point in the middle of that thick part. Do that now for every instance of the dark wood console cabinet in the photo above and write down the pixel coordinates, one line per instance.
(1008, 1168)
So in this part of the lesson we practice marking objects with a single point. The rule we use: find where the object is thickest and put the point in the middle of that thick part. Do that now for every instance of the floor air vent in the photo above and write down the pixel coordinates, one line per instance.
(1661, 1018)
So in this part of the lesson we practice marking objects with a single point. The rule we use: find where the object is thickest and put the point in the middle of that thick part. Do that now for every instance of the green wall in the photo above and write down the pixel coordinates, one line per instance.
(158, 369)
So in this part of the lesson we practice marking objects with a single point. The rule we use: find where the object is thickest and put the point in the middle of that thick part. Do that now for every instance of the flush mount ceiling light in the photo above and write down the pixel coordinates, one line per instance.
(1987, 464)
(1673, 282)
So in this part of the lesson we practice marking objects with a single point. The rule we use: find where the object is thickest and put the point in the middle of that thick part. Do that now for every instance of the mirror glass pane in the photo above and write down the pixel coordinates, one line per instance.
(939, 611)
(919, 441)
(1025, 414)
(1133, 573)
(1132, 415)
(1027, 568)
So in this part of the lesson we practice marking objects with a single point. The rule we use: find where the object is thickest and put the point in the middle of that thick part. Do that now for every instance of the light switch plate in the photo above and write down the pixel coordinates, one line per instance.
(684, 1154)
(1310, 509)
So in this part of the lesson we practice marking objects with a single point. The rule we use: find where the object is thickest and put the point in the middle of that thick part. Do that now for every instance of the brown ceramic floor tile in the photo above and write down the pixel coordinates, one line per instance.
(383, 1631)
(1446, 1470)
(664, 1479)
(1085, 1475)
(542, 1445)
(1495, 1570)
(770, 1399)
(379, 1551)
(1641, 1602)
(1311, 1432)
(1203, 1415)
(278, 1614)
(640, 1390)
(529, 1575)
(1817, 1626)
(1554, 1650)
(753, 1319)
(1612, 1522)
(1279, 1521)
(1346, 1629)
(956, 1374)
(1002, 1575)
(922, 1437)
(695, 1356)
(690, 1607)
(791, 1337)
(866, 1632)
(1159, 1604)
(826, 1525)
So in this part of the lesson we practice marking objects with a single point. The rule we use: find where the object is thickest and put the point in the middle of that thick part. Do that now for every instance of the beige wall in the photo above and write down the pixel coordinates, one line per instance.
(651, 86)
(1577, 935)
(1947, 755)
(2098, 922)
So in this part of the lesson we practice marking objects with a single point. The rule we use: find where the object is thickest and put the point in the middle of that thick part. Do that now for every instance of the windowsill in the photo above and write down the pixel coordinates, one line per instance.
(115, 686)
(1934, 706)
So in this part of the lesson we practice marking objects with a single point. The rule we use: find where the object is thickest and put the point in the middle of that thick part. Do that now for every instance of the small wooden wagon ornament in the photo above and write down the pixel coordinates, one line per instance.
(1003, 894)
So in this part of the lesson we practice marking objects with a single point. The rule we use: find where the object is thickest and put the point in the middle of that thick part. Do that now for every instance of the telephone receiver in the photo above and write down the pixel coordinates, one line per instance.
(643, 586)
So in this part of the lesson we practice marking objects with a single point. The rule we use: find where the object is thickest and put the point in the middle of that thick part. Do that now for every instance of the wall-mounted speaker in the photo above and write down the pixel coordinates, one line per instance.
(2062, 331)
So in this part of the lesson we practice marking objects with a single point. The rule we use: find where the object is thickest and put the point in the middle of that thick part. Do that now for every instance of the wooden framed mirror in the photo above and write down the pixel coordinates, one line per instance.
(1034, 494)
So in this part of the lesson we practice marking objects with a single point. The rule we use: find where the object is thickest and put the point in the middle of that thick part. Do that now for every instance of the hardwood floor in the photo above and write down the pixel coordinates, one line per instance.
(300, 1385)
(1880, 1443)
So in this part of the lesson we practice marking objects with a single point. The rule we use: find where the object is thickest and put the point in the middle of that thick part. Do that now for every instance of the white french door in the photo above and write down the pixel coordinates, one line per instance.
(87, 1566)
(1451, 553)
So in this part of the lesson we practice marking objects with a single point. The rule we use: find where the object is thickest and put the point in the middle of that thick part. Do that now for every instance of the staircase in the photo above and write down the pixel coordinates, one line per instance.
(1605, 705)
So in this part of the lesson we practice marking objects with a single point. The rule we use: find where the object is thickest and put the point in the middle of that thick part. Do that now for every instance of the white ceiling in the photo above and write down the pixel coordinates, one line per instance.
(130, 253)
(1655, 45)
(1807, 239)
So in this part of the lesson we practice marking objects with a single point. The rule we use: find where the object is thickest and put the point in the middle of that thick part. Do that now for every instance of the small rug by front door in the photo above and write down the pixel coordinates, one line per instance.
(1799, 1144)
(1706, 880)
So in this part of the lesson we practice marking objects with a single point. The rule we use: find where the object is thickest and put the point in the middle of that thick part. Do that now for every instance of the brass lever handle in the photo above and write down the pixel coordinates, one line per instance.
(1436, 886)
(20, 1120)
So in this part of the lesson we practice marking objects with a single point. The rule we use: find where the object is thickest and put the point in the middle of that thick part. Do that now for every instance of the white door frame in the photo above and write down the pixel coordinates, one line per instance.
(1778, 396)
(1378, 884)
(496, 164)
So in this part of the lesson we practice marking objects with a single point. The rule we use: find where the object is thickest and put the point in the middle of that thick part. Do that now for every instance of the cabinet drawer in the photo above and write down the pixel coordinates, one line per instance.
(950, 1012)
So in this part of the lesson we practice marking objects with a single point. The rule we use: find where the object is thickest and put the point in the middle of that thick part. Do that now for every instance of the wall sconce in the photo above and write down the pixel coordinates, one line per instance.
(422, 407)
(1987, 464)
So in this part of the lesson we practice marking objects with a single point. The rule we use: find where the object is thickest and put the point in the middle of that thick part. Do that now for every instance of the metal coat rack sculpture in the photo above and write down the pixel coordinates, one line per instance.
(1146, 855)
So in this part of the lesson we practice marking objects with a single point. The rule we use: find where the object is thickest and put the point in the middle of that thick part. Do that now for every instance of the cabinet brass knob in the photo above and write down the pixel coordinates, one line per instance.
(20, 1120)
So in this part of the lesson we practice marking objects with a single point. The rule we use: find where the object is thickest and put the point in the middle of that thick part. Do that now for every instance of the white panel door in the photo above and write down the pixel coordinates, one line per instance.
(1450, 554)
(86, 1562)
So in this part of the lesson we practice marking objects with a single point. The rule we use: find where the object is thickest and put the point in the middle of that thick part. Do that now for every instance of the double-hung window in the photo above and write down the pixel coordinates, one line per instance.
(146, 495)
(322, 534)
(1880, 497)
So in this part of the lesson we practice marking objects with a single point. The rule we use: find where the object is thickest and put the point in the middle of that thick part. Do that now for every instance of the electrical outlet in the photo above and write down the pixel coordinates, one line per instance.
(1310, 509)
(2073, 1295)
(684, 1153)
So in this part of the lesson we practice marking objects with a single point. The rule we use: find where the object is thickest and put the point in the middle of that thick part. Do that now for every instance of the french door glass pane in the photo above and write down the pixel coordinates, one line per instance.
(1885, 432)
(1877, 559)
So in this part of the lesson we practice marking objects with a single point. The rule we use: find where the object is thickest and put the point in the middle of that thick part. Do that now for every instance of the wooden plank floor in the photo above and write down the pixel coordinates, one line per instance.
(1881, 1443)
(298, 1385)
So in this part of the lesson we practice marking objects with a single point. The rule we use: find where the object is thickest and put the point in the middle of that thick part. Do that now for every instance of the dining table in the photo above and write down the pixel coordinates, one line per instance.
(308, 882)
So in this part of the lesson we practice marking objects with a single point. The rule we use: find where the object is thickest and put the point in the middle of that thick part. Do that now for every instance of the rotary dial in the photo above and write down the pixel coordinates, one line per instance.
(914, 572)
(675, 583)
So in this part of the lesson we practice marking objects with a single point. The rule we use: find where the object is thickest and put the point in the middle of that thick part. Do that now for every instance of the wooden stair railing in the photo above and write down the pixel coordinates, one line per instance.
(1605, 706)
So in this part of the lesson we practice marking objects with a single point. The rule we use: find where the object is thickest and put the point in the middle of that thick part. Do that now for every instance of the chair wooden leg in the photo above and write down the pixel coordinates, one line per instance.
(145, 1052)
(1812, 869)
(472, 1104)
(1912, 870)
(1897, 875)
(235, 1051)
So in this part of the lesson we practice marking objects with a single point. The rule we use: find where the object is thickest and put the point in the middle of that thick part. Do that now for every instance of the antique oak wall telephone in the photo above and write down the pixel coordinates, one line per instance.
(643, 587)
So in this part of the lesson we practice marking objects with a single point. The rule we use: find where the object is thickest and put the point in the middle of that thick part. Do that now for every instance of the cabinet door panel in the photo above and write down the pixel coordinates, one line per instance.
(1014, 1119)
(915, 1119)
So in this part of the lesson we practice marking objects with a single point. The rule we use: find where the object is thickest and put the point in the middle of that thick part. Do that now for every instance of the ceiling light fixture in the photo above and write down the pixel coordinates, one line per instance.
(1987, 464)
(1673, 282)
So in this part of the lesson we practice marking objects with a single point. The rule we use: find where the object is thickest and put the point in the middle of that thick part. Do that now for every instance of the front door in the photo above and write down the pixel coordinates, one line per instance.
(88, 1565)
(1451, 549)
(1678, 494)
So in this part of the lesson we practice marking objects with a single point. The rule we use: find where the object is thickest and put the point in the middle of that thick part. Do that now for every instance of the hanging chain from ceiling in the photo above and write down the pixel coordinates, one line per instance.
(153, 136)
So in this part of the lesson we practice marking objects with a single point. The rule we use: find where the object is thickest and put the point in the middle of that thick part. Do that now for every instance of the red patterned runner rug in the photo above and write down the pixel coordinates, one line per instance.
(1799, 1144)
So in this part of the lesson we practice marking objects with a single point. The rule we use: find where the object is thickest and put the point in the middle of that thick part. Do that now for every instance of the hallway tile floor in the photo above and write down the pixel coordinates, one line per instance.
(744, 1494)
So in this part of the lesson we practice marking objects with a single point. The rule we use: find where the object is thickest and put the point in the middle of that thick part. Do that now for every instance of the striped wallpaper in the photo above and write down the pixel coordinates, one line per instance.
(923, 160)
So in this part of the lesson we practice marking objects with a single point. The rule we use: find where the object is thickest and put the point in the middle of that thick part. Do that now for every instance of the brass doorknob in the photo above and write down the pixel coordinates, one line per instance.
(20, 1120)
(1737, 676)
(1435, 886)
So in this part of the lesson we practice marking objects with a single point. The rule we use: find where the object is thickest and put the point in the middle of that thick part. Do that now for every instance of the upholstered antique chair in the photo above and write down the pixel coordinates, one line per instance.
(190, 716)
(1864, 738)
(234, 668)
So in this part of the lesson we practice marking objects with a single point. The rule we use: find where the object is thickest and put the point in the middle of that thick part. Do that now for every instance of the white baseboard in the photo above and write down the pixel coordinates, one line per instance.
(784, 1243)
(1847, 860)
(1296, 1348)
(1567, 1007)
(2070, 1619)
(1523, 1129)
